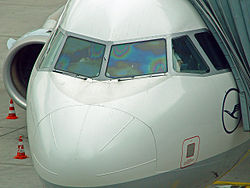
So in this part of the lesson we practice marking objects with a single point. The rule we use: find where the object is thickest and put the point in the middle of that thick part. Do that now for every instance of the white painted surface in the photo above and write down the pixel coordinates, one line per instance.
(123, 20)
(172, 110)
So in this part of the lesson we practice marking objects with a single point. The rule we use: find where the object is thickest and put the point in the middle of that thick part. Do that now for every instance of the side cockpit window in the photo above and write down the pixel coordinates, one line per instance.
(52, 50)
(137, 59)
(186, 58)
(212, 49)
(81, 57)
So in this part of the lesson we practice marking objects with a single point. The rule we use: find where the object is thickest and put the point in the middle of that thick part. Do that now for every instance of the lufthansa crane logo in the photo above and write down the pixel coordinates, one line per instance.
(236, 109)
(231, 114)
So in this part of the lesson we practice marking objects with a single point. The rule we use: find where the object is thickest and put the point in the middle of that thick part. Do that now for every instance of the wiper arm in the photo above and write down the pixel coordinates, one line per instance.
(64, 72)
(81, 77)
(125, 78)
(71, 74)
(58, 71)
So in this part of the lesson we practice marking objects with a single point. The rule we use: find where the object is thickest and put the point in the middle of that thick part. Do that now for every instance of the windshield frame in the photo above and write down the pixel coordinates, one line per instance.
(47, 49)
(85, 38)
(104, 65)
(191, 35)
(102, 75)
(83, 73)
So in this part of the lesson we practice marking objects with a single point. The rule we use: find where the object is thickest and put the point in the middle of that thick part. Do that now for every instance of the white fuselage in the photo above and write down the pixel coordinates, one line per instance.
(137, 135)
(89, 133)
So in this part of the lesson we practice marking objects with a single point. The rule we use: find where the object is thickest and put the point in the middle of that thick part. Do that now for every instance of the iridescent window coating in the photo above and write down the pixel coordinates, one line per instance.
(135, 59)
(81, 57)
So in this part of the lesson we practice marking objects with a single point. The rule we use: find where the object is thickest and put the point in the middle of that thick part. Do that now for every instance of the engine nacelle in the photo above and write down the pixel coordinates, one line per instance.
(19, 64)
(22, 57)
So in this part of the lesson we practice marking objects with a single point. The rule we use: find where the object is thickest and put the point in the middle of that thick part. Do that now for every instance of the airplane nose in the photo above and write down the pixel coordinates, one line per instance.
(85, 146)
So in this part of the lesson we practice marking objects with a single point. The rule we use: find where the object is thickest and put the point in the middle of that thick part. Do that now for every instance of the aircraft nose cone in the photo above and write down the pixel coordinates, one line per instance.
(87, 145)
(56, 138)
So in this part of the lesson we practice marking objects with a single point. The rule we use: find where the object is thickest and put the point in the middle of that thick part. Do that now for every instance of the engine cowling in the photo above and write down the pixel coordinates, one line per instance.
(22, 56)
(19, 64)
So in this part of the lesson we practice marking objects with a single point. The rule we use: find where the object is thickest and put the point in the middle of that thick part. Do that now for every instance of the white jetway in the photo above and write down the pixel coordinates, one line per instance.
(229, 21)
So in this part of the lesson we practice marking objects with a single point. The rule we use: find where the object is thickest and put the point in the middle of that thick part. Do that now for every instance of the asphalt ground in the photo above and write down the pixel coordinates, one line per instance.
(16, 18)
(14, 173)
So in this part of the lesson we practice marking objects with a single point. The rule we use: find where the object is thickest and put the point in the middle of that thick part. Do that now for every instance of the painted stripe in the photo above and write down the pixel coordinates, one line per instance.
(239, 162)
(12, 112)
(231, 183)
(11, 108)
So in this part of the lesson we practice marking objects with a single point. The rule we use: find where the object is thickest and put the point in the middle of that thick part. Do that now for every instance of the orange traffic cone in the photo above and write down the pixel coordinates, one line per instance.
(12, 113)
(20, 150)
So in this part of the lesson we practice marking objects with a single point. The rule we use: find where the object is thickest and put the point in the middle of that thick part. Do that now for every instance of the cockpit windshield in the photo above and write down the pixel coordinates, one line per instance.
(81, 57)
(136, 59)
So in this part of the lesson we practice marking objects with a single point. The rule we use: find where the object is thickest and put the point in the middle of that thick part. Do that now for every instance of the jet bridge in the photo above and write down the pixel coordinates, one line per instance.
(229, 21)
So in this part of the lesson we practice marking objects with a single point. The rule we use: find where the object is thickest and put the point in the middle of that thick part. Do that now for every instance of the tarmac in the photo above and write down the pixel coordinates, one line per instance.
(14, 173)
(16, 18)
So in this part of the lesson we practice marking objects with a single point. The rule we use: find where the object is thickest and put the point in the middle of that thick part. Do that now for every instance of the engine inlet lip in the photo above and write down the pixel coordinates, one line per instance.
(7, 77)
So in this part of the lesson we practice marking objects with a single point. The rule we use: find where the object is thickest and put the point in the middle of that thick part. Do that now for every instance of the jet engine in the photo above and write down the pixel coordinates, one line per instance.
(22, 57)
(19, 63)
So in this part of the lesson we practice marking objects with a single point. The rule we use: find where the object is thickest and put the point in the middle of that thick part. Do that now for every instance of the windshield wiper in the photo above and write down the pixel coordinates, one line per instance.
(81, 77)
(64, 72)
(58, 71)
(71, 74)
(141, 76)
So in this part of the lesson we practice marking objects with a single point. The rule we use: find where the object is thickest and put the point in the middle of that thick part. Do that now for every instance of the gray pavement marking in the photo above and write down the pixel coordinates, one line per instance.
(11, 131)
(14, 164)
(10, 36)
(22, 4)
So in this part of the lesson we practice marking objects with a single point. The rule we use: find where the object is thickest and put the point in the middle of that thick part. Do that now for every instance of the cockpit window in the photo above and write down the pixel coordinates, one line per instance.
(213, 50)
(186, 57)
(81, 57)
(50, 54)
(139, 58)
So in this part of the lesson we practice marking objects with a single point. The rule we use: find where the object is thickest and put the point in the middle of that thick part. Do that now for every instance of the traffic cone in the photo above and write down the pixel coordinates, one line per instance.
(20, 150)
(12, 113)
